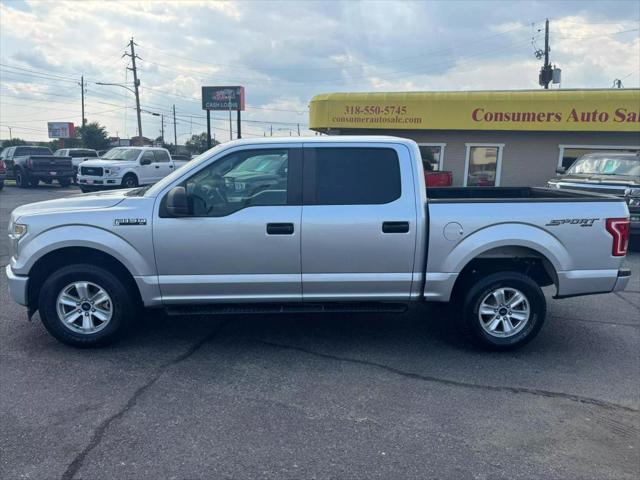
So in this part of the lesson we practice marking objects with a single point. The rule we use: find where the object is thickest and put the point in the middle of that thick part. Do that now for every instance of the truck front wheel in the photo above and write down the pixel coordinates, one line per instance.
(85, 306)
(504, 310)
(22, 180)
(129, 181)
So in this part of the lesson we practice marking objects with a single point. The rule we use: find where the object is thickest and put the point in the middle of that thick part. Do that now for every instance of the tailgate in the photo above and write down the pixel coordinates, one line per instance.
(49, 163)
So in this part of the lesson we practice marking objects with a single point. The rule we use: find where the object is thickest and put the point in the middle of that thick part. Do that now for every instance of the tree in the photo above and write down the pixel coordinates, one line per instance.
(13, 142)
(198, 143)
(94, 136)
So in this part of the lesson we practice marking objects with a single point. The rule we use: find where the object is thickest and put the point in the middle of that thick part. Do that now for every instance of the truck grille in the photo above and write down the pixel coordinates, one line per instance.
(95, 171)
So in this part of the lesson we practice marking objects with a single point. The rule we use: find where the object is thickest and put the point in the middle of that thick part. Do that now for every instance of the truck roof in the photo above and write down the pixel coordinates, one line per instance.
(322, 139)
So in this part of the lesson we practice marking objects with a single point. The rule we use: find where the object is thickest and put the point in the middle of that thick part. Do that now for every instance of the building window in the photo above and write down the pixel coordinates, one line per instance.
(432, 155)
(569, 153)
(482, 165)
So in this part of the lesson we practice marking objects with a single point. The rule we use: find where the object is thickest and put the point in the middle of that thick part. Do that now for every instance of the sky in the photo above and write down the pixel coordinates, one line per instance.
(284, 53)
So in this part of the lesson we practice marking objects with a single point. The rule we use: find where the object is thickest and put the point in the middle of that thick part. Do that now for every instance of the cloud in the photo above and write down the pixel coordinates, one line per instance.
(286, 52)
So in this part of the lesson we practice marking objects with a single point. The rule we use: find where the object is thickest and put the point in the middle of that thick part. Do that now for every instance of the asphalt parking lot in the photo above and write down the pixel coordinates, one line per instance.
(345, 396)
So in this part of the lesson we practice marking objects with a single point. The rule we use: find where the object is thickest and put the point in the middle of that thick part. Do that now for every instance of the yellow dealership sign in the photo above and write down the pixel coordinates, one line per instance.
(614, 110)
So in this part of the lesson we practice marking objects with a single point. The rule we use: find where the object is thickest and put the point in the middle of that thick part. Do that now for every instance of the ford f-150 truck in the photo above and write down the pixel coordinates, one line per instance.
(126, 167)
(29, 165)
(312, 225)
(612, 173)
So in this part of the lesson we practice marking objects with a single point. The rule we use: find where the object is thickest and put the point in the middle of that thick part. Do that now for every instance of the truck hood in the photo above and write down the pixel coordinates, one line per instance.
(109, 163)
(87, 201)
(613, 180)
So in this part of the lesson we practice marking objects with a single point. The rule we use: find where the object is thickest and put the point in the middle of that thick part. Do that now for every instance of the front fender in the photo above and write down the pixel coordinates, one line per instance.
(83, 236)
(508, 235)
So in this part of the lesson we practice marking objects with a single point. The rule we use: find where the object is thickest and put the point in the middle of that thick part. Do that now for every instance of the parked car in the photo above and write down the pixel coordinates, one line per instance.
(78, 155)
(126, 167)
(30, 164)
(348, 226)
(3, 173)
(612, 173)
(439, 178)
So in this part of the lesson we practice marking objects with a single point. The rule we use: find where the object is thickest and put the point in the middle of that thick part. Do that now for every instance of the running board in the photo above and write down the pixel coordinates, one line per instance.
(265, 308)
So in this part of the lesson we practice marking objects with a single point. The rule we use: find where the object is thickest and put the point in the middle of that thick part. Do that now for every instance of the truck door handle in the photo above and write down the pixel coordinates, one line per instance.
(170, 166)
(157, 166)
(279, 228)
(395, 227)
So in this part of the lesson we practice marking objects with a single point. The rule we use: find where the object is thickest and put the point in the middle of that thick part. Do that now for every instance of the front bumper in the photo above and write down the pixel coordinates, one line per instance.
(99, 182)
(17, 286)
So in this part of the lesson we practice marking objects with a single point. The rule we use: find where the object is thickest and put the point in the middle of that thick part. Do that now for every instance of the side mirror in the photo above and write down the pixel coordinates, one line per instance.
(145, 161)
(177, 205)
(561, 170)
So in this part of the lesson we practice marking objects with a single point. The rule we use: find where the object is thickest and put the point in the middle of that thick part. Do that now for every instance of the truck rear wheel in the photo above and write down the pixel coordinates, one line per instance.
(85, 306)
(504, 310)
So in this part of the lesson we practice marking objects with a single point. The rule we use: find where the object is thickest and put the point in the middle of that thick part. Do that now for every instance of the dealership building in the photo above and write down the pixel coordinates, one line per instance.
(501, 138)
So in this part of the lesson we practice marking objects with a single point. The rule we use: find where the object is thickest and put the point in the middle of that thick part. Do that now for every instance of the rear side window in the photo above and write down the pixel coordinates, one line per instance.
(161, 156)
(356, 176)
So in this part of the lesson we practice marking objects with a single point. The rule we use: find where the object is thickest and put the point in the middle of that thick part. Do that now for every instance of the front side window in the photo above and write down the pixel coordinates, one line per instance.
(148, 155)
(239, 180)
(356, 176)
(482, 170)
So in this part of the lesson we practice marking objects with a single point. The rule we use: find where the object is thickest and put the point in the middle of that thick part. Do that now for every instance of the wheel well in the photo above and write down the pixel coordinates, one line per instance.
(130, 174)
(516, 259)
(71, 255)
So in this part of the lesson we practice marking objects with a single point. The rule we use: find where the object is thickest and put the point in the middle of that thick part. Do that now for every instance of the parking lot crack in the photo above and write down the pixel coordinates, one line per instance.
(102, 428)
(455, 383)
(617, 294)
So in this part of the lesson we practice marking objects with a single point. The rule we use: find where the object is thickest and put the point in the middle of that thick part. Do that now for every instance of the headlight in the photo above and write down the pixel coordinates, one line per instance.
(632, 196)
(18, 230)
(112, 171)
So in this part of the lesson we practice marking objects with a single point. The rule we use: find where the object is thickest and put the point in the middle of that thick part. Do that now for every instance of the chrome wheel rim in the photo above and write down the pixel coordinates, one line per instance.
(504, 312)
(84, 307)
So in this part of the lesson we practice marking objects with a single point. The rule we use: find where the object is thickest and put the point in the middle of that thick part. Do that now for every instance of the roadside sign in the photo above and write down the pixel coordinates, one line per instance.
(223, 98)
(61, 129)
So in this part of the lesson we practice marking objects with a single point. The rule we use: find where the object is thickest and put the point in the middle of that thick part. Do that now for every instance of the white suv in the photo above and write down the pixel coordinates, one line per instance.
(126, 167)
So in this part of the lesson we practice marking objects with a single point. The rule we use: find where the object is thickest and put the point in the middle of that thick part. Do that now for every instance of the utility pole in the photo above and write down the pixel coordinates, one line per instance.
(298, 129)
(546, 73)
(136, 83)
(272, 130)
(82, 96)
(162, 127)
(175, 132)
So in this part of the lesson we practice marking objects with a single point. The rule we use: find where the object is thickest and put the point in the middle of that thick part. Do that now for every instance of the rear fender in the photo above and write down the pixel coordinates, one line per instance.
(508, 235)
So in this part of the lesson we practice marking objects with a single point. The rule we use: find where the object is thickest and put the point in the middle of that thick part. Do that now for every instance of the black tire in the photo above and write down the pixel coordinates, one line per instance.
(123, 305)
(1, 184)
(129, 181)
(499, 340)
(85, 190)
(64, 182)
(22, 180)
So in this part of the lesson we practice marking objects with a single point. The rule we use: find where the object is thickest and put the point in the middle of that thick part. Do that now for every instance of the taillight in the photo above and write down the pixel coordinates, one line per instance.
(619, 230)
(2, 167)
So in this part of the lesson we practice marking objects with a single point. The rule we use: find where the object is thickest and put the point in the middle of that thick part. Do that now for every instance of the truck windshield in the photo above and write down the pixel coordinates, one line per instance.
(121, 154)
(32, 151)
(629, 166)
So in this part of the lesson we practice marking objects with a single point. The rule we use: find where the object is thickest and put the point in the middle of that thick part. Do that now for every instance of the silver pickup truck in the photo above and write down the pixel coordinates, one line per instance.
(319, 224)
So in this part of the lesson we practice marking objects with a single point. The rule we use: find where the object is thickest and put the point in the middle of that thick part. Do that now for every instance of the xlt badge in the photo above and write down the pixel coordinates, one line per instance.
(583, 222)
(120, 222)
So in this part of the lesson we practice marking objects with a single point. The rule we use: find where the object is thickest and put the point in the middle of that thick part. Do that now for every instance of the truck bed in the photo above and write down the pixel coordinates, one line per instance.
(511, 194)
